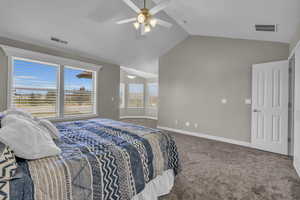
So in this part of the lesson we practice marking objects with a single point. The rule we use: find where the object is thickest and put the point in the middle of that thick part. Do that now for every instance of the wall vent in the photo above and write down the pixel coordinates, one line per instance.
(266, 27)
(55, 39)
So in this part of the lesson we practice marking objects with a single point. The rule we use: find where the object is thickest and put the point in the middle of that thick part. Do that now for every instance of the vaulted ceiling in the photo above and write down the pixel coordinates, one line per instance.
(236, 18)
(89, 27)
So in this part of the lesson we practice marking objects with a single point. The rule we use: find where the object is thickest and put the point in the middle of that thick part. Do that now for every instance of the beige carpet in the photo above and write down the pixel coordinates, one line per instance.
(219, 171)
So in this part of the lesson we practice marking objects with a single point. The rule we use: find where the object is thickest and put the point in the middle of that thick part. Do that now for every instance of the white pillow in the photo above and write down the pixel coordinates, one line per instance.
(16, 111)
(26, 139)
(51, 129)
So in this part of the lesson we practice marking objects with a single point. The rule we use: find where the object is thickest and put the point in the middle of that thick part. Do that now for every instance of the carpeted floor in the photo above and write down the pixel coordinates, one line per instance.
(219, 171)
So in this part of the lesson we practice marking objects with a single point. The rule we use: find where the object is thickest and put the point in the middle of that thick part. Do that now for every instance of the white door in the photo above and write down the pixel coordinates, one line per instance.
(270, 106)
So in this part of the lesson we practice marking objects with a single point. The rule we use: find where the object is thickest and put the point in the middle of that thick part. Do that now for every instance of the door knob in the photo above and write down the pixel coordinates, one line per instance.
(255, 110)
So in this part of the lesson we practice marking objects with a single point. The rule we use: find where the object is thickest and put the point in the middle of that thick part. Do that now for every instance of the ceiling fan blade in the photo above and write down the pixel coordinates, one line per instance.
(125, 21)
(159, 7)
(132, 6)
(164, 23)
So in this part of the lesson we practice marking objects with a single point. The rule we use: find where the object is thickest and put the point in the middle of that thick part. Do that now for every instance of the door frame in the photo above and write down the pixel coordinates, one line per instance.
(291, 104)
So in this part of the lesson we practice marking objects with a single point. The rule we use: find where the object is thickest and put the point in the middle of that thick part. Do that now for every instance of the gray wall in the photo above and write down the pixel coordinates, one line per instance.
(295, 39)
(293, 44)
(108, 99)
(108, 82)
(199, 72)
(3, 80)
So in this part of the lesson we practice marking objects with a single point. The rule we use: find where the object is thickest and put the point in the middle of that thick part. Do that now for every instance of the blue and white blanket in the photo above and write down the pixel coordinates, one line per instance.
(101, 159)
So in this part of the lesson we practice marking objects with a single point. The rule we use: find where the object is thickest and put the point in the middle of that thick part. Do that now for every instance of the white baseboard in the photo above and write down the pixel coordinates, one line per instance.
(211, 137)
(138, 117)
(297, 165)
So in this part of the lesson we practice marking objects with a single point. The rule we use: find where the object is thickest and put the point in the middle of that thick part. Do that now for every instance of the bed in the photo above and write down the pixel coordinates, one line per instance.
(101, 159)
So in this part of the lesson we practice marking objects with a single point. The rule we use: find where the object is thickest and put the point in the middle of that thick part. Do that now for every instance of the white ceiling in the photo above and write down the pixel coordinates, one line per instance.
(235, 18)
(89, 27)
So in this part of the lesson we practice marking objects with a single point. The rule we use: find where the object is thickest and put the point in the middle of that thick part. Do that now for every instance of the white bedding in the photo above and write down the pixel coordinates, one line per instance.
(161, 185)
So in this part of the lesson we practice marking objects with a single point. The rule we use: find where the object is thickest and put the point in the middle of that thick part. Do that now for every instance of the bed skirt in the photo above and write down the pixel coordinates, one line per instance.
(160, 186)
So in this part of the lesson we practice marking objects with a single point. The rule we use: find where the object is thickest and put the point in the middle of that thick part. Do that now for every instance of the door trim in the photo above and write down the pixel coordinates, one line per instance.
(291, 108)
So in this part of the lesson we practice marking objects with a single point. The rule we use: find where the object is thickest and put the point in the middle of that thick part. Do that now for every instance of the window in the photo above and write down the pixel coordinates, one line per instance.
(79, 91)
(135, 95)
(35, 89)
(153, 94)
(122, 95)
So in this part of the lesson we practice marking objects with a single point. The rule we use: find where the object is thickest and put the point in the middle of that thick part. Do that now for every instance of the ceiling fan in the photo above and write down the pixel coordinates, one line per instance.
(145, 20)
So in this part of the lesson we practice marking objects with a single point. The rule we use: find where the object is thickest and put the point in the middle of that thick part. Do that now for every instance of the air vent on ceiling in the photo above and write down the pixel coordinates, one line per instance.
(266, 28)
(55, 39)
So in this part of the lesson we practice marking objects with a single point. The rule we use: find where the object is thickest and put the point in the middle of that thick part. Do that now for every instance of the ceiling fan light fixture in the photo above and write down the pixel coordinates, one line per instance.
(141, 18)
(153, 22)
(145, 20)
(147, 28)
(136, 25)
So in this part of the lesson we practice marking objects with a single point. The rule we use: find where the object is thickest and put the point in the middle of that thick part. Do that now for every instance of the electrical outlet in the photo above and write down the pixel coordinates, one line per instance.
(176, 122)
(196, 125)
(187, 124)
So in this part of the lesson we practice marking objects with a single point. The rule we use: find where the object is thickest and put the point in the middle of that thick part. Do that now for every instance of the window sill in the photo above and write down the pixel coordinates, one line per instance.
(72, 118)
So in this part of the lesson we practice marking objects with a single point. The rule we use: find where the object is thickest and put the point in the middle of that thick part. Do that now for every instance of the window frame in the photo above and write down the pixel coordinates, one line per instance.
(11, 79)
(128, 96)
(15, 53)
(149, 105)
(123, 97)
(94, 86)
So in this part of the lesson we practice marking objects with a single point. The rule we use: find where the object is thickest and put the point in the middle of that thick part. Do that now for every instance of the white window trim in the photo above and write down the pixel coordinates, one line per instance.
(122, 106)
(12, 52)
(61, 93)
(44, 58)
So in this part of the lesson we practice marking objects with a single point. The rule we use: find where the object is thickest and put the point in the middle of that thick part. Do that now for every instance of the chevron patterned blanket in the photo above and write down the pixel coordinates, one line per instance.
(101, 159)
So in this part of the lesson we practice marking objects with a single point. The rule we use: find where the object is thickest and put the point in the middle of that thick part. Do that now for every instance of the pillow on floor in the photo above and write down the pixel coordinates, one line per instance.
(8, 164)
(26, 138)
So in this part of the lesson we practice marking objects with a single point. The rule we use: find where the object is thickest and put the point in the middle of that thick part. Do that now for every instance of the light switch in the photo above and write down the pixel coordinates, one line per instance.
(248, 101)
(224, 101)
